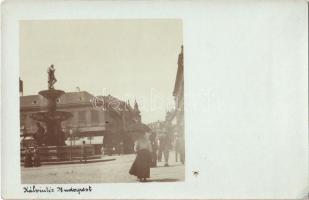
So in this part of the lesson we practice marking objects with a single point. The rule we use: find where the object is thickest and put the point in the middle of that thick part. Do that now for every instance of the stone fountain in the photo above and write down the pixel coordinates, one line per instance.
(55, 149)
(52, 118)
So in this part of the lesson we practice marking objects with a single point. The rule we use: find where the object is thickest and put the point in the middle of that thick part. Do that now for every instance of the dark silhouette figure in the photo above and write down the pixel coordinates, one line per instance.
(28, 158)
(152, 139)
(36, 157)
(83, 152)
(180, 149)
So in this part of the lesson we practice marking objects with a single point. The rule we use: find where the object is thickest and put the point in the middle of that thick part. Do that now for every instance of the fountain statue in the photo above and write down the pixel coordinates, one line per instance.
(52, 118)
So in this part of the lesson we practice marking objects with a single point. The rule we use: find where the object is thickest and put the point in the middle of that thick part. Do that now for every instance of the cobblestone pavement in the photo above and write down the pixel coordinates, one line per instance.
(102, 172)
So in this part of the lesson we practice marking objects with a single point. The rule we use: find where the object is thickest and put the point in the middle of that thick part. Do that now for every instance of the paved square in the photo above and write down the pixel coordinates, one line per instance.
(116, 171)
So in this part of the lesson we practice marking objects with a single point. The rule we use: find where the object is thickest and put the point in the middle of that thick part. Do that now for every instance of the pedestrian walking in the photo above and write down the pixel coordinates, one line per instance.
(141, 165)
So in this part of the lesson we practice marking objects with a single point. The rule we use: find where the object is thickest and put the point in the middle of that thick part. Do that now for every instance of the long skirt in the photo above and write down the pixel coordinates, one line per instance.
(141, 164)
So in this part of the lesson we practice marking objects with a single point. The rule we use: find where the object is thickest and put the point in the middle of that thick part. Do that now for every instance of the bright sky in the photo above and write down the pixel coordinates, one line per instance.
(128, 59)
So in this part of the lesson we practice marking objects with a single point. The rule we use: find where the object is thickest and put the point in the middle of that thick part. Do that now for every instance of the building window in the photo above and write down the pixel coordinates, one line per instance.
(95, 116)
(34, 102)
(58, 100)
(82, 116)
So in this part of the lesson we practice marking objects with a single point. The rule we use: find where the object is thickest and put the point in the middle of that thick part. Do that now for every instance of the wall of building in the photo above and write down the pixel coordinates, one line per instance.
(84, 117)
(95, 124)
(178, 94)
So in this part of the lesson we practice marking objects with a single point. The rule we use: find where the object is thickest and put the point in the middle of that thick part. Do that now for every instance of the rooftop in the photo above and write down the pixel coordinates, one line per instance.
(81, 97)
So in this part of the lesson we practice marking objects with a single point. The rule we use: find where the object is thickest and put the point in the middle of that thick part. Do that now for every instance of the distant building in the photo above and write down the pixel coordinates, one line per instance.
(85, 118)
(178, 94)
(174, 119)
(158, 127)
(92, 116)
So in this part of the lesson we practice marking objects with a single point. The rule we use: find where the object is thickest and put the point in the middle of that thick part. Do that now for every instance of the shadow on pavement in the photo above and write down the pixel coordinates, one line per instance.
(163, 180)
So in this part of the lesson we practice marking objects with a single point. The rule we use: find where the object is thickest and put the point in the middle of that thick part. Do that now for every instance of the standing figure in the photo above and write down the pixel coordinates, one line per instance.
(108, 144)
(179, 149)
(83, 152)
(39, 135)
(154, 149)
(120, 148)
(142, 162)
(165, 145)
(160, 149)
(36, 157)
(28, 158)
(51, 77)
(182, 149)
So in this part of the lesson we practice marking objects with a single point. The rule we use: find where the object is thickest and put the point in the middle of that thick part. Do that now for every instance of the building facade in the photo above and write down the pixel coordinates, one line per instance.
(158, 127)
(174, 119)
(86, 118)
(93, 116)
(178, 94)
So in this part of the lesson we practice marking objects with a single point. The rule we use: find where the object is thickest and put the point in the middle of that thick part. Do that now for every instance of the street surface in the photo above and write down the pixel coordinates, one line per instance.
(116, 171)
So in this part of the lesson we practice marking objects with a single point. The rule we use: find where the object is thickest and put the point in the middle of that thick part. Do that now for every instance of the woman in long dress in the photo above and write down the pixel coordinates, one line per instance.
(142, 162)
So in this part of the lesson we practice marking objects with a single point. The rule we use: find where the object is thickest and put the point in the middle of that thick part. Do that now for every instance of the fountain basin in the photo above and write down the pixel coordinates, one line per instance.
(62, 153)
(51, 94)
(51, 116)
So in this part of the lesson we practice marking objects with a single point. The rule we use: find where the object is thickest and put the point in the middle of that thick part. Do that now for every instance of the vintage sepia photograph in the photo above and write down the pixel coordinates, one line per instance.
(154, 99)
(101, 101)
